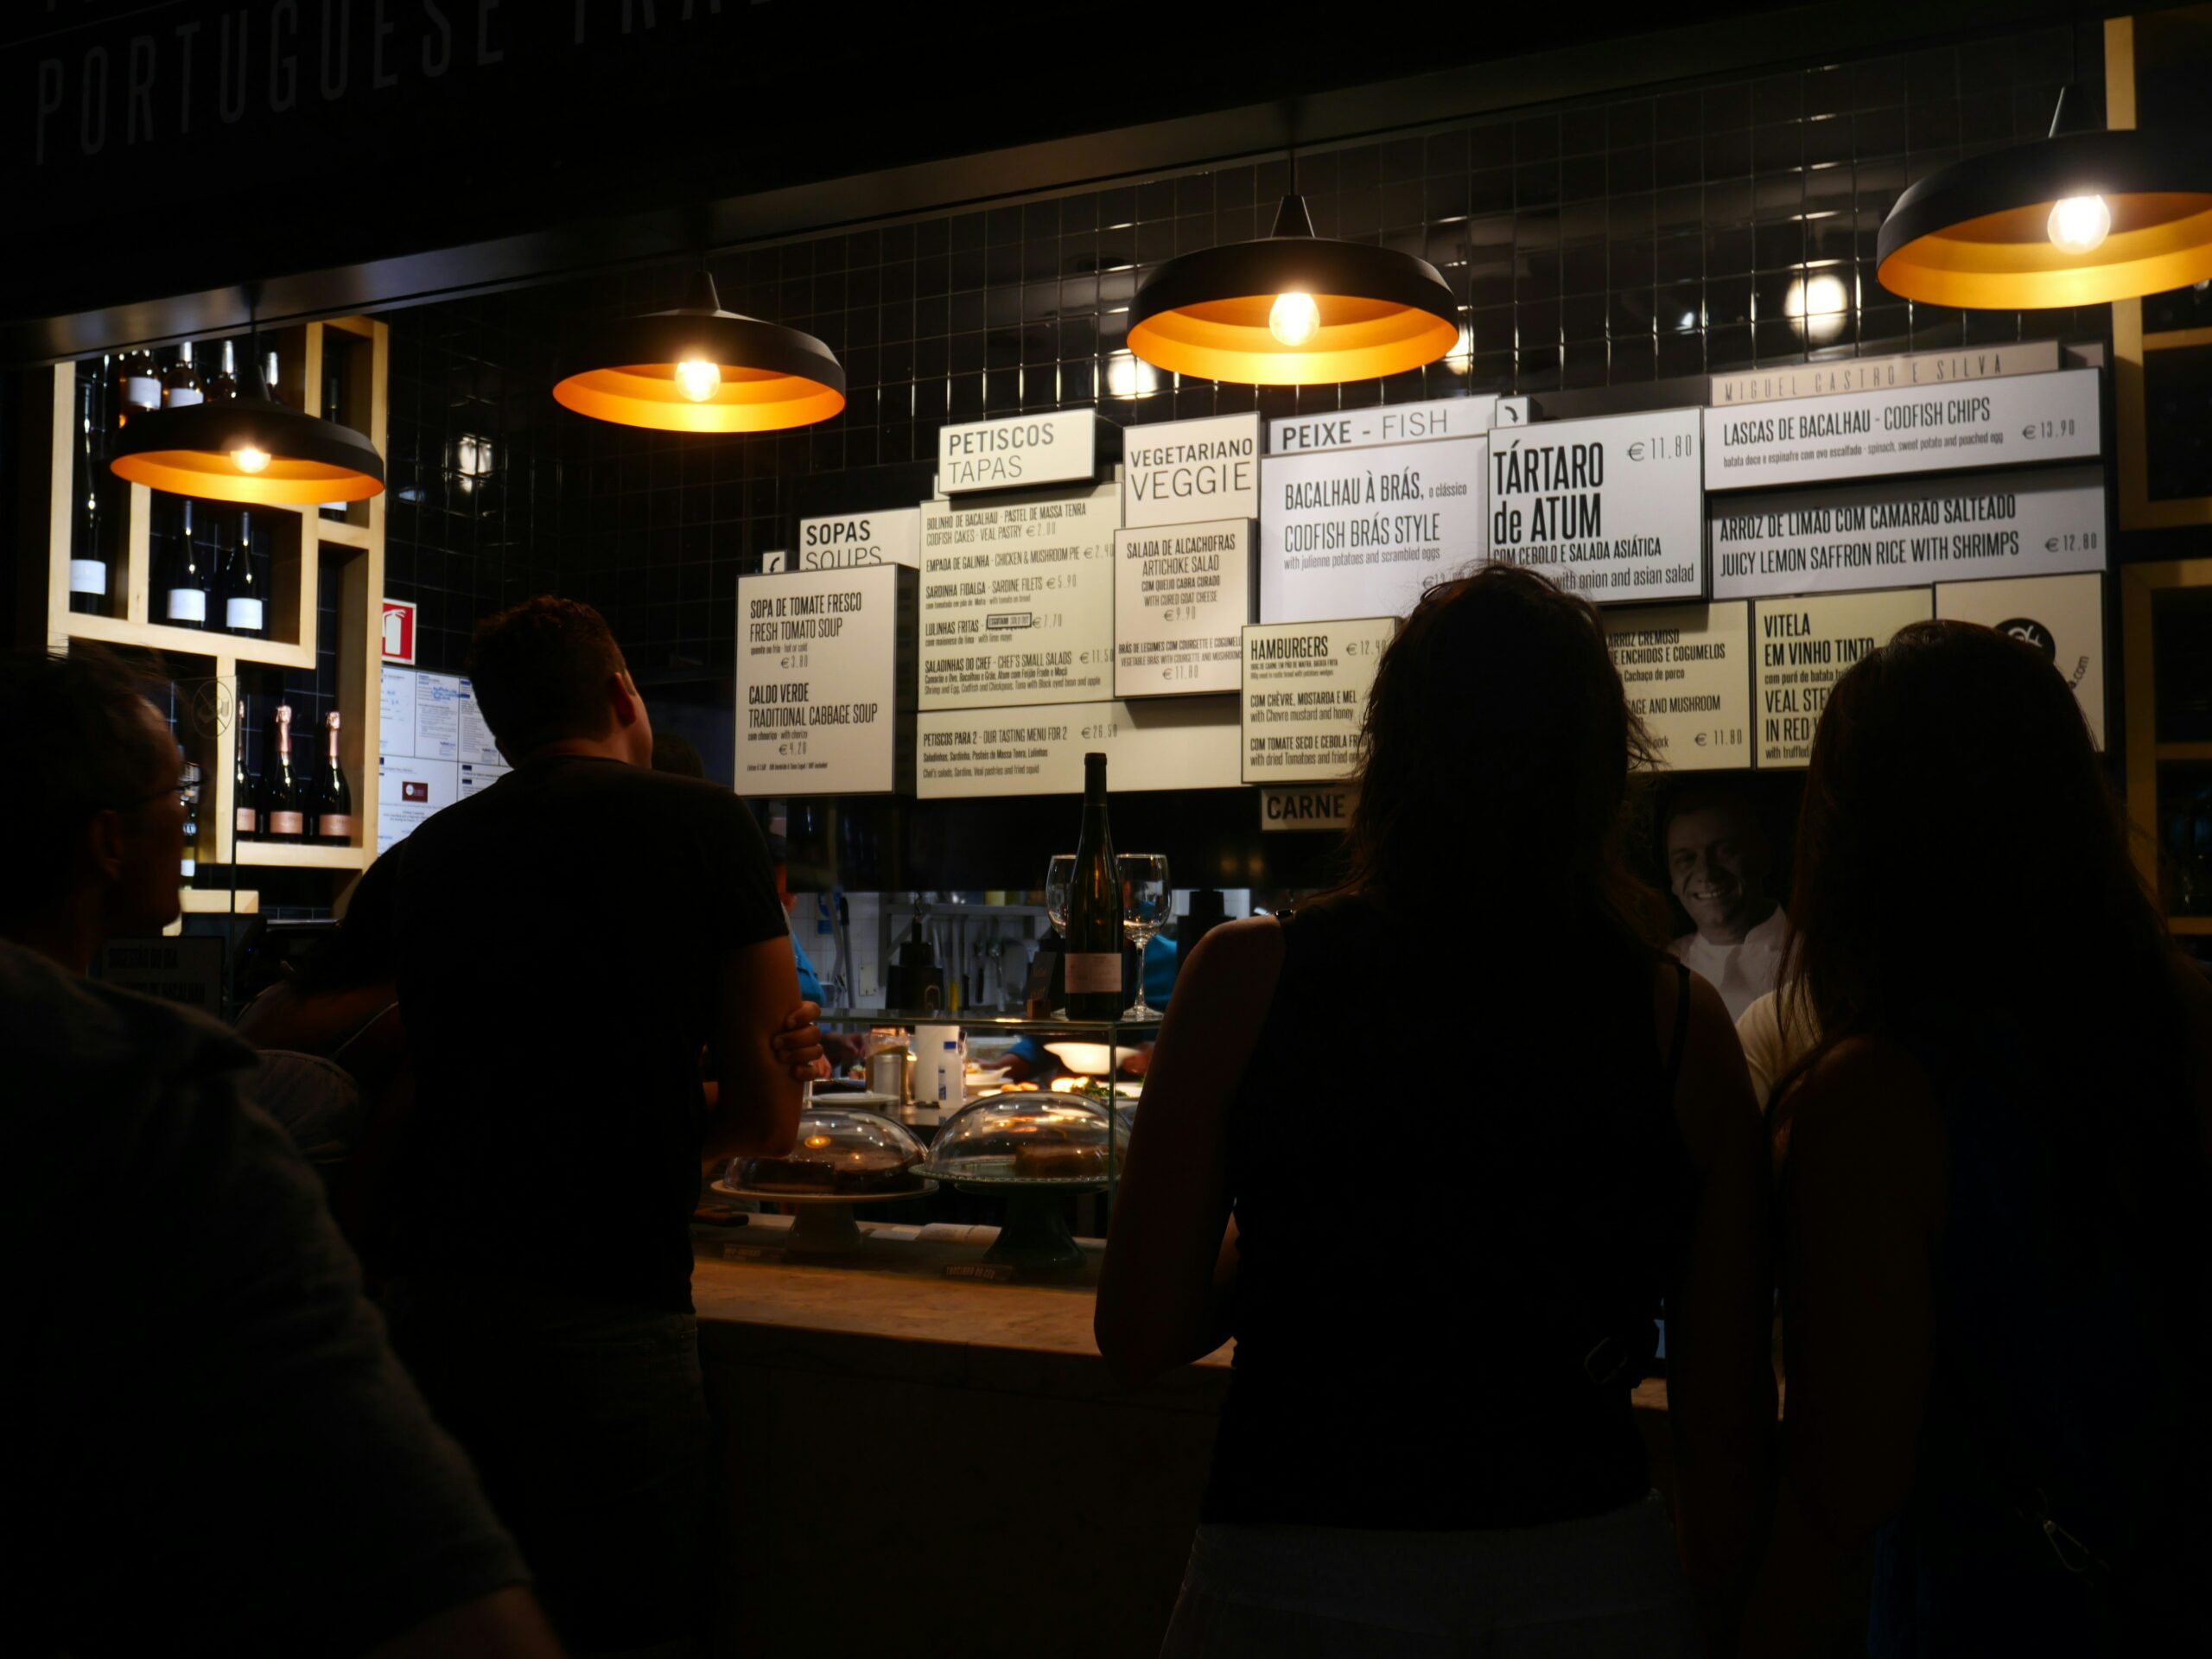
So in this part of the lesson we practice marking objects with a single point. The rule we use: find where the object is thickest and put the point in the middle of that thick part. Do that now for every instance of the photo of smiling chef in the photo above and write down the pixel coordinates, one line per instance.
(1719, 866)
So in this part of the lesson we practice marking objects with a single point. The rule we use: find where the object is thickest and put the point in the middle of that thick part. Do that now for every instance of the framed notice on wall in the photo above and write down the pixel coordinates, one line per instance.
(1168, 743)
(2062, 617)
(1805, 646)
(1686, 670)
(1182, 594)
(1359, 532)
(1306, 687)
(1612, 508)
(1018, 599)
(825, 682)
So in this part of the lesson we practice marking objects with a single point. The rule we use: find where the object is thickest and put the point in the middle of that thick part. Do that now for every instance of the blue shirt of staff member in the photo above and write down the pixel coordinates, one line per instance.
(569, 943)
(210, 1447)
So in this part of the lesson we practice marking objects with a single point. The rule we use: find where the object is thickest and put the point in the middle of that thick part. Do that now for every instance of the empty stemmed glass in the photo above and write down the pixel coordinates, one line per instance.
(1146, 903)
(1059, 876)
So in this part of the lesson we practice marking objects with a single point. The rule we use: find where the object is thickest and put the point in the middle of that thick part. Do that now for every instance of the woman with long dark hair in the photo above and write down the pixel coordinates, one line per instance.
(1996, 1216)
(1442, 1286)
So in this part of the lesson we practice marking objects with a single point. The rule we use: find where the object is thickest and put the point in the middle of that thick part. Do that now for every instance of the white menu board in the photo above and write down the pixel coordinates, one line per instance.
(1356, 533)
(1355, 429)
(433, 748)
(408, 790)
(2000, 422)
(1882, 373)
(1805, 646)
(1188, 471)
(1611, 508)
(2062, 617)
(1181, 594)
(1921, 530)
(818, 680)
(1686, 670)
(891, 537)
(1018, 599)
(1170, 743)
(1018, 453)
(1305, 686)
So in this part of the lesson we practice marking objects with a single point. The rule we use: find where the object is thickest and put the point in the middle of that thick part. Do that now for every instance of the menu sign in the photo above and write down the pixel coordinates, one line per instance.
(1609, 508)
(1018, 454)
(1018, 599)
(1686, 670)
(1938, 530)
(433, 745)
(1355, 429)
(1180, 596)
(1805, 646)
(1306, 689)
(1188, 470)
(1999, 422)
(1175, 743)
(893, 536)
(1882, 373)
(1351, 532)
(819, 682)
(2062, 617)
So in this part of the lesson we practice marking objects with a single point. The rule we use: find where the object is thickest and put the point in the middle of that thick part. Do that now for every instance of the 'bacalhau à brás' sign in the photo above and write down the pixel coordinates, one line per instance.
(1363, 532)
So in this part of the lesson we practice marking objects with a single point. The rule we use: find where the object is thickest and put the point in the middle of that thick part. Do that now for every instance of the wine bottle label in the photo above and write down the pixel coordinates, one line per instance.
(184, 397)
(187, 605)
(339, 826)
(242, 614)
(288, 823)
(246, 821)
(87, 576)
(143, 390)
(1094, 970)
(191, 866)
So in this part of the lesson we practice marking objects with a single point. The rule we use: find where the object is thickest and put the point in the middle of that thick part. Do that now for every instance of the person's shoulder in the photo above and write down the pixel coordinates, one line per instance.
(1250, 945)
(47, 1010)
(1865, 1110)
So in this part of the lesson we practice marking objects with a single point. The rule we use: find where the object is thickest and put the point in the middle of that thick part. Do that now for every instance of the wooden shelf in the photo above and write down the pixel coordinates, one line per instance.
(2182, 751)
(289, 855)
(192, 642)
(2175, 340)
(217, 901)
(337, 532)
(2199, 925)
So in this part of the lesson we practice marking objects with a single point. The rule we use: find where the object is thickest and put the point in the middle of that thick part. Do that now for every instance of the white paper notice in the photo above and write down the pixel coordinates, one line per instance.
(438, 698)
(395, 710)
(1306, 687)
(475, 742)
(2003, 422)
(1353, 428)
(409, 789)
(1686, 670)
(2062, 617)
(1167, 743)
(474, 777)
(1805, 646)
(1879, 535)
(1181, 594)
(1359, 532)
(1018, 599)
(818, 680)
(1186, 471)
(1611, 509)
(893, 536)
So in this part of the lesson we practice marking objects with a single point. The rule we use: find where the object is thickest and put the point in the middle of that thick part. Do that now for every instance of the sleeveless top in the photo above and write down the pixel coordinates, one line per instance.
(2064, 1476)
(1429, 1253)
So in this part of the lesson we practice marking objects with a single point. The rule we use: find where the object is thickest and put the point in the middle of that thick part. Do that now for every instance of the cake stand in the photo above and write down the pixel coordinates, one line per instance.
(1035, 1235)
(825, 1223)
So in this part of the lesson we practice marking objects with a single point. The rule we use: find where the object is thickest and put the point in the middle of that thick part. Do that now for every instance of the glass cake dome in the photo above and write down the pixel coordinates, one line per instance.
(1030, 1137)
(840, 1151)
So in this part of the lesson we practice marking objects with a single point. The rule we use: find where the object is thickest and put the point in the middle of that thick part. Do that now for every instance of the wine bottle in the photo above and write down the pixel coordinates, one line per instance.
(87, 559)
(334, 401)
(141, 385)
(1093, 968)
(191, 859)
(246, 806)
(333, 796)
(181, 386)
(269, 376)
(183, 577)
(222, 385)
(283, 812)
(237, 588)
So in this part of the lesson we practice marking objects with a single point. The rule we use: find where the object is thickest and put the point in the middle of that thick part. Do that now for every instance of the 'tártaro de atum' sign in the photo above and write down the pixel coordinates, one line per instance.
(1186, 471)
(1054, 446)
(1609, 508)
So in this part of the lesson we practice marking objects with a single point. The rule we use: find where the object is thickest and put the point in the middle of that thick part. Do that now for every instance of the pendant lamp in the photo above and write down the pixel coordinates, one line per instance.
(2079, 219)
(702, 369)
(1293, 309)
(251, 449)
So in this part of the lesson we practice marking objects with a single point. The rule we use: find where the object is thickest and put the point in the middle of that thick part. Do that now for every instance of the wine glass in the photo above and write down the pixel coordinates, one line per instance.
(1059, 876)
(1146, 901)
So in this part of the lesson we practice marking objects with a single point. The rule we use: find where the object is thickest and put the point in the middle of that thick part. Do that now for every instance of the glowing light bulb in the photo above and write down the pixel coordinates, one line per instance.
(1293, 318)
(249, 459)
(2079, 224)
(698, 379)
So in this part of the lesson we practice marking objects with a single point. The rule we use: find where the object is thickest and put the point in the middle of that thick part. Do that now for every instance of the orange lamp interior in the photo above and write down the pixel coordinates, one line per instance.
(213, 476)
(748, 400)
(2007, 262)
(1230, 340)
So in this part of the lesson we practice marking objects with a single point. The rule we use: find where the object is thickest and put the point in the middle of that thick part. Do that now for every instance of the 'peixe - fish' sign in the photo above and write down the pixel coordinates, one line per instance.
(1609, 508)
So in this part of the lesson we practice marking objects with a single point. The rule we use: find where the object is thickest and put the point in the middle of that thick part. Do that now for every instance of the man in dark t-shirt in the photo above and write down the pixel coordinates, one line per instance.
(569, 942)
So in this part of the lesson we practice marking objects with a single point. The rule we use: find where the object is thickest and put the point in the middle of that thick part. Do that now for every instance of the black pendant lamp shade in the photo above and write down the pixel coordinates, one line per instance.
(2079, 219)
(251, 449)
(702, 369)
(1293, 309)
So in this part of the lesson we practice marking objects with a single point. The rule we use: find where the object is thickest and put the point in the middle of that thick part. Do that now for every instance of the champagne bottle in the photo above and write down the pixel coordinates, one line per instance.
(141, 385)
(223, 385)
(87, 558)
(181, 386)
(182, 579)
(237, 588)
(245, 807)
(333, 796)
(1093, 967)
(191, 859)
(284, 810)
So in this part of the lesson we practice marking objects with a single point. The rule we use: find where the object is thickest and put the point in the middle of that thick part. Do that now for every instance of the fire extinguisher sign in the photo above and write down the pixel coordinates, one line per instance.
(398, 631)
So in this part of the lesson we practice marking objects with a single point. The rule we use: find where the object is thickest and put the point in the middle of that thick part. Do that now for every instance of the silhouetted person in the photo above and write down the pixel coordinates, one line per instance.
(208, 1447)
(1428, 1442)
(1997, 1213)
